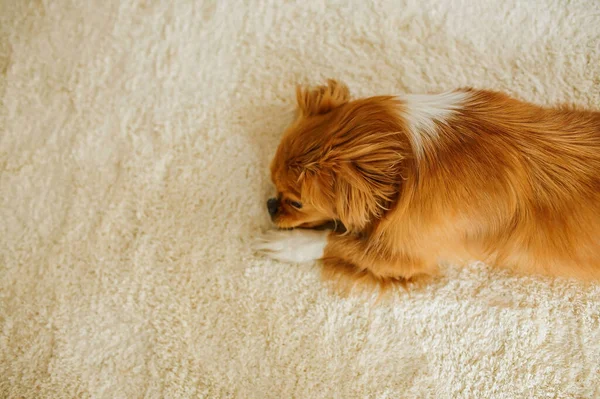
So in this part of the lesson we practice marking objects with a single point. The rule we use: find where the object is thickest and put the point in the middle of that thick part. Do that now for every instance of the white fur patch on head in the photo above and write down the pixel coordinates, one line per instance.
(422, 111)
(294, 246)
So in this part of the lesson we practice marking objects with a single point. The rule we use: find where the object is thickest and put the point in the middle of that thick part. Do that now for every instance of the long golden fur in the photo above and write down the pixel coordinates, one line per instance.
(496, 179)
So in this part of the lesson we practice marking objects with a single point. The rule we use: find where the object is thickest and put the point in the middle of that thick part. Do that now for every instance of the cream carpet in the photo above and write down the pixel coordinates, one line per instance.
(135, 138)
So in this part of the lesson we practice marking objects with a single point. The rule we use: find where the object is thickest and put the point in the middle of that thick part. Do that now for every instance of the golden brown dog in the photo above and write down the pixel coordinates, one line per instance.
(419, 179)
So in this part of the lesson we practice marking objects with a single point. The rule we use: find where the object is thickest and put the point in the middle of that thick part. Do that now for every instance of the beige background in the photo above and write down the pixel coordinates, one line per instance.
(135, 138)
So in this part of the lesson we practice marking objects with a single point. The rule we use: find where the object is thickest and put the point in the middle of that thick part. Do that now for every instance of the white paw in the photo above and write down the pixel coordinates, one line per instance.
(294, 246)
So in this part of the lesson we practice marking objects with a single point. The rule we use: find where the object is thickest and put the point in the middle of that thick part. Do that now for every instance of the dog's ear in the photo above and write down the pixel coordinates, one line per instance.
(321, 99)
(366, 187)
(355, 186)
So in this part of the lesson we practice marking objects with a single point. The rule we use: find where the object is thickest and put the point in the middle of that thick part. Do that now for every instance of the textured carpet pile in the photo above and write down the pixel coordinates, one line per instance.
(135, 138)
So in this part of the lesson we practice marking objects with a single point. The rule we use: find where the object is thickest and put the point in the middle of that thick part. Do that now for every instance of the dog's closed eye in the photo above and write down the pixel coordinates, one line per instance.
(296, 204)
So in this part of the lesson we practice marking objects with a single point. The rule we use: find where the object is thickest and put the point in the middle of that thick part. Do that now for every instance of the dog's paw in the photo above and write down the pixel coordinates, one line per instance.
(294, 246)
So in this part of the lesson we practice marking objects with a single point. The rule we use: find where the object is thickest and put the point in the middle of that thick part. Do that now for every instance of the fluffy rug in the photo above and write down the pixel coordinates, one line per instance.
(135, 138)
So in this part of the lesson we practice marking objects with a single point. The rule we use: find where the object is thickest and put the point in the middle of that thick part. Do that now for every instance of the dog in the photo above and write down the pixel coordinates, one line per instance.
(416, 180)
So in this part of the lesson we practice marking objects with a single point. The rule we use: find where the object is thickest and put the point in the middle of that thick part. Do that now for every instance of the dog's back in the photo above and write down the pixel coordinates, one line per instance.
(530, 180)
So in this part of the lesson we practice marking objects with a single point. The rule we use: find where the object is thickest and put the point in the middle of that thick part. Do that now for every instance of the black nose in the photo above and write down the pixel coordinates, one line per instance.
(272, 206)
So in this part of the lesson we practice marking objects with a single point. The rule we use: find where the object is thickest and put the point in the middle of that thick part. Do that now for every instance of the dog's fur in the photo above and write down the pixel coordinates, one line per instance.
(419, 179)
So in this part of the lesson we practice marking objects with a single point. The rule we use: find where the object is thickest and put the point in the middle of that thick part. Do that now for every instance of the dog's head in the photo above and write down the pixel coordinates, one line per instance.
(340, 160)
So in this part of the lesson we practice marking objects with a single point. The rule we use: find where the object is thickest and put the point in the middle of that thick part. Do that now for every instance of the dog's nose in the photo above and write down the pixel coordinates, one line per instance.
(272, 206)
